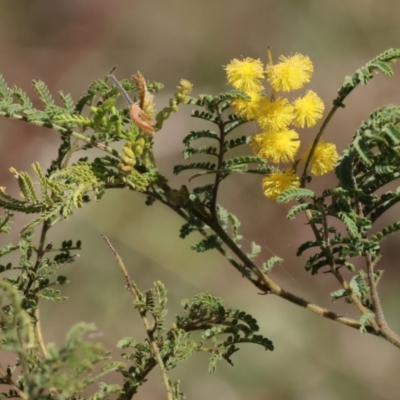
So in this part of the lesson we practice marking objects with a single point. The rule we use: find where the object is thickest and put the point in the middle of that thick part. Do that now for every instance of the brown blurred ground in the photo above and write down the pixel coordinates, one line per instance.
(69, 44)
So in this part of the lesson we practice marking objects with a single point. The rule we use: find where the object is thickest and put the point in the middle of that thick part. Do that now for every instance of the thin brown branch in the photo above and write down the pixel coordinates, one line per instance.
(333, 268)
(149, 330)
(221, 138)
(303, 179)
(262, 282)
(11, 383)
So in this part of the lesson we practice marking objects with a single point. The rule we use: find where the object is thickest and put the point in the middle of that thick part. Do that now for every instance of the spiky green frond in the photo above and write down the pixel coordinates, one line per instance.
(379, 207)
(392, 228)
(233, 162)
(232, 143)
(17, 333)
(46, 215)
(6, 220)
(233, 122)
(207, 116)
(68, 368)
(73, 120)
(208, 313)
(315, 263)
(194, 135)
(44, 93)
(207, 150)
(22, 98)
(229, 222)
(307, 245)
(5, 92)
(271, 263)
(67, 101)
(9, 203)
(138, 181)
(200, 165)
(231, 95)
(300, 208)
(210, 243)
(298, 193)
(365, 74)
(63, 191)
(255, 251)
(192, 225)
(350, 223)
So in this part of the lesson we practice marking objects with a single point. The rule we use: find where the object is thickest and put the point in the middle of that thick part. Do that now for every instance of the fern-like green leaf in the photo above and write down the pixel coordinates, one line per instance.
(208, 150)
(351, 225)
(210, 243)
(44, 93)
(392, 228)
(232, 143)
(271, 263)
(295, 194)
(67, 101)
(23, 98)
(232, 162)
(255, 251)
(300, 208)
(194, 135)
(5, 92)
(204, 115)
(201, 165)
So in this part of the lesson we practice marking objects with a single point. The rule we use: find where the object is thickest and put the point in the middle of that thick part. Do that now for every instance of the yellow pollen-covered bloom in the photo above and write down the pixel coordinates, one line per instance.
(277, 182)
(324, 158)
(276, 147)
(307, 110)
(274, 115)
(290, 73)
(246, 109)
(245, 75)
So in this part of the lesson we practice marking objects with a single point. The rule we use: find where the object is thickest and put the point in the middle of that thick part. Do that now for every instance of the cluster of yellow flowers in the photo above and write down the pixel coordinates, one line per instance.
(277, 117)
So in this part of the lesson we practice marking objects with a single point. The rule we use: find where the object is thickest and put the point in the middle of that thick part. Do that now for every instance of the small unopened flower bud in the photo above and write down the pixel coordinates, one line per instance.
(128, 151)
(128, 161)
(124, 168)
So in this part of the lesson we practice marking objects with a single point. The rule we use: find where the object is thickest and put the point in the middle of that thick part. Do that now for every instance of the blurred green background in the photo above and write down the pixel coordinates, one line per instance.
(69, 44)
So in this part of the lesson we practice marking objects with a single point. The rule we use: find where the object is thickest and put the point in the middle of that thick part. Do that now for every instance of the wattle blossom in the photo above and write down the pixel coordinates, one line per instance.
(324, 158)
(290, 73)
(274, 115)
(277, 182)
(307, 110)
(245, 75)
(276, 147)
(246, 109)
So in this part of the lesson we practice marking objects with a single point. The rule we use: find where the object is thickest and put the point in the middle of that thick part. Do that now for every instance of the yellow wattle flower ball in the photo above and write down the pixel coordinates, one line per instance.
(245, 75)
(324, 158)
(246, 109)
(277, 182)
(290, 73)
(280, 146)
(274, 115)
(307, 110)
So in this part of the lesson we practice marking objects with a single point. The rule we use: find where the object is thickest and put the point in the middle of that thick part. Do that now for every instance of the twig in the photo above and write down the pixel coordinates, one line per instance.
(303, 179)
(221, 138)
(120, 88)
(264, 283)
(268, 285)
(64, 131)
(41, 250)
(38, 333)
(149, 331)
(11, 383)
(333, 268)
(385, 331)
